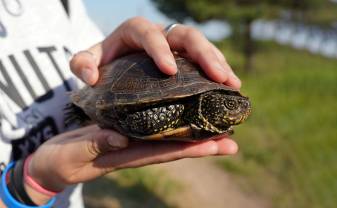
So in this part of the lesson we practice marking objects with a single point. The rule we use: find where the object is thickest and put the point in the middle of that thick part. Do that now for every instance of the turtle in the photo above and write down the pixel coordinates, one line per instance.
(135, 98)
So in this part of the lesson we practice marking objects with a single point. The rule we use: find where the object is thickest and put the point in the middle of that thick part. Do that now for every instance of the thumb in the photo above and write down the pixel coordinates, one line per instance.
(84, 65)
(99, 143)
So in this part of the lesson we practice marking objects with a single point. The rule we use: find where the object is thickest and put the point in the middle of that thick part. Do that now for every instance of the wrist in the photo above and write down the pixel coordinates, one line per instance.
(43, 177)
(40, 189)
(37, 197)
(17, 199)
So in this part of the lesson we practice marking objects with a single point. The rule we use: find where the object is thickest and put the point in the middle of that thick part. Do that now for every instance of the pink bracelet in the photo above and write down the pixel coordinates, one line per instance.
(32, 183)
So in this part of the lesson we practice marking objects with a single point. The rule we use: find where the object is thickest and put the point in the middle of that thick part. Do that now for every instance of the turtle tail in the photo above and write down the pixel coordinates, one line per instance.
(74, 115)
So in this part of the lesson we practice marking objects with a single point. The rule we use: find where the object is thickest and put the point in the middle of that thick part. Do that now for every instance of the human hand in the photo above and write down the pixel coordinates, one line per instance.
(133, 35)
(140, 34)
(89, 152)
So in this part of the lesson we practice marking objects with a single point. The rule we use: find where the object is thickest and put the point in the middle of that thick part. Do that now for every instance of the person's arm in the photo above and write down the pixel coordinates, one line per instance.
(36, 197)
(87, 153)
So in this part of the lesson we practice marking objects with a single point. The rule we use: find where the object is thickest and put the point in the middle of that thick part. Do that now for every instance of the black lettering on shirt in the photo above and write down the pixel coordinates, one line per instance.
(39, 74)
(35, 137)
(49, 50)
(9, 87)
(22, 76)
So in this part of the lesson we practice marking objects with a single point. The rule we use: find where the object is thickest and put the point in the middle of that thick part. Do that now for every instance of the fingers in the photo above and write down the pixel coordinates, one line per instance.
(84, 66)
(81, 131)
(226, 147)
(95, 144)
(103, 141)
(191, 41)
(232, 80)
(139, 33)
(134, 34)
(145, 153)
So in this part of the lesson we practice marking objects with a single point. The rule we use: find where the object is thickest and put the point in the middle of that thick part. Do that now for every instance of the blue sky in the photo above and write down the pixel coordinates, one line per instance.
(109, 14)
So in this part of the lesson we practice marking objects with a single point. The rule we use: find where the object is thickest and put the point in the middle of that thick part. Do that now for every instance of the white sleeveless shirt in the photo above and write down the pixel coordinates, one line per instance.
(37, 38)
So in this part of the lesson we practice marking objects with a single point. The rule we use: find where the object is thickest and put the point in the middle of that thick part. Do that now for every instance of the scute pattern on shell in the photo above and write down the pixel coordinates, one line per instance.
(120, 81)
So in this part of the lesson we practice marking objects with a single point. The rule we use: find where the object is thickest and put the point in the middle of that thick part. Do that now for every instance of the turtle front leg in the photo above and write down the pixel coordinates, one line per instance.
(154, 120)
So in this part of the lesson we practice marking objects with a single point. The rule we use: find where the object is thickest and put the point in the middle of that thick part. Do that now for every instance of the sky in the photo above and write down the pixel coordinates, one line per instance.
(108, 14)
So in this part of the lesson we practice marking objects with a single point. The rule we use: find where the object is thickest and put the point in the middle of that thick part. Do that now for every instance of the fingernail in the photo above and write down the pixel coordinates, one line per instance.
(173, 64)
(86, 75)
(232, 149)
(115, 143)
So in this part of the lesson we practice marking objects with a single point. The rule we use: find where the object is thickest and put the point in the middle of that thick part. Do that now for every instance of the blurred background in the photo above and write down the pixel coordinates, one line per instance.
(285, 52)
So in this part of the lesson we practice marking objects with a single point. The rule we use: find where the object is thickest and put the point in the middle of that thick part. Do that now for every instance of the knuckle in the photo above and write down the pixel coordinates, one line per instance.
(211, 55)
(92, 146)
(219, 53)
(203, 52)
(192, 33)
(140, 27)
(148, 33)
(207, 49)
(199, 54)
(137, 21)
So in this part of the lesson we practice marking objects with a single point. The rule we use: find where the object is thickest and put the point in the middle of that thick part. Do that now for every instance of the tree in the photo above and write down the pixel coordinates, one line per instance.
(239, 13)
(321, 12)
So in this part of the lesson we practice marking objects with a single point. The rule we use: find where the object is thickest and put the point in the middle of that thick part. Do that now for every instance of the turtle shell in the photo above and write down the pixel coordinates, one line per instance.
(134, 81)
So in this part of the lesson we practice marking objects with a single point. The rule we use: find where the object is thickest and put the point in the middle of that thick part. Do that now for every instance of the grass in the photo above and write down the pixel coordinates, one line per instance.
(325, 15)
(142, 187)
(288, 146)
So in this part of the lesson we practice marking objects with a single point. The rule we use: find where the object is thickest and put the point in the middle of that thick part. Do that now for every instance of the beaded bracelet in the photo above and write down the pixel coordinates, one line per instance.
(9, 200)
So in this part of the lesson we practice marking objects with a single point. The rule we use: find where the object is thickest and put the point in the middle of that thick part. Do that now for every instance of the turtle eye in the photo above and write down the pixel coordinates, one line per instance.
(231, 104)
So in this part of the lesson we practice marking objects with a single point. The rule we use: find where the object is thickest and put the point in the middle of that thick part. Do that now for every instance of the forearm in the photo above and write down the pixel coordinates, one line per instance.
(36, 197)
(18, 188)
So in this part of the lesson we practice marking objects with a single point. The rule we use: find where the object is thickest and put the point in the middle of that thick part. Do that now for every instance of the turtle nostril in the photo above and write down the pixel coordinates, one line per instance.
(246, 104)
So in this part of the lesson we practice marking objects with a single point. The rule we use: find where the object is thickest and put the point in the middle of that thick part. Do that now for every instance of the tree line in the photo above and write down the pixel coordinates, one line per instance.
(240, 14)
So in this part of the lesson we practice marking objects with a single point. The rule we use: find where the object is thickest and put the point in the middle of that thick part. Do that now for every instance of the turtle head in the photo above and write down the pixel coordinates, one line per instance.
(223, 110)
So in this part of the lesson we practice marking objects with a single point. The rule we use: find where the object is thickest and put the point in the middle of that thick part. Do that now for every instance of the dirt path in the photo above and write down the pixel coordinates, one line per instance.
(212, 188)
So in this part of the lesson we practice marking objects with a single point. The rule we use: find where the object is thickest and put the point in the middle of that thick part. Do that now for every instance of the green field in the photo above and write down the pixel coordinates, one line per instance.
(288, 147)
(141, 187)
